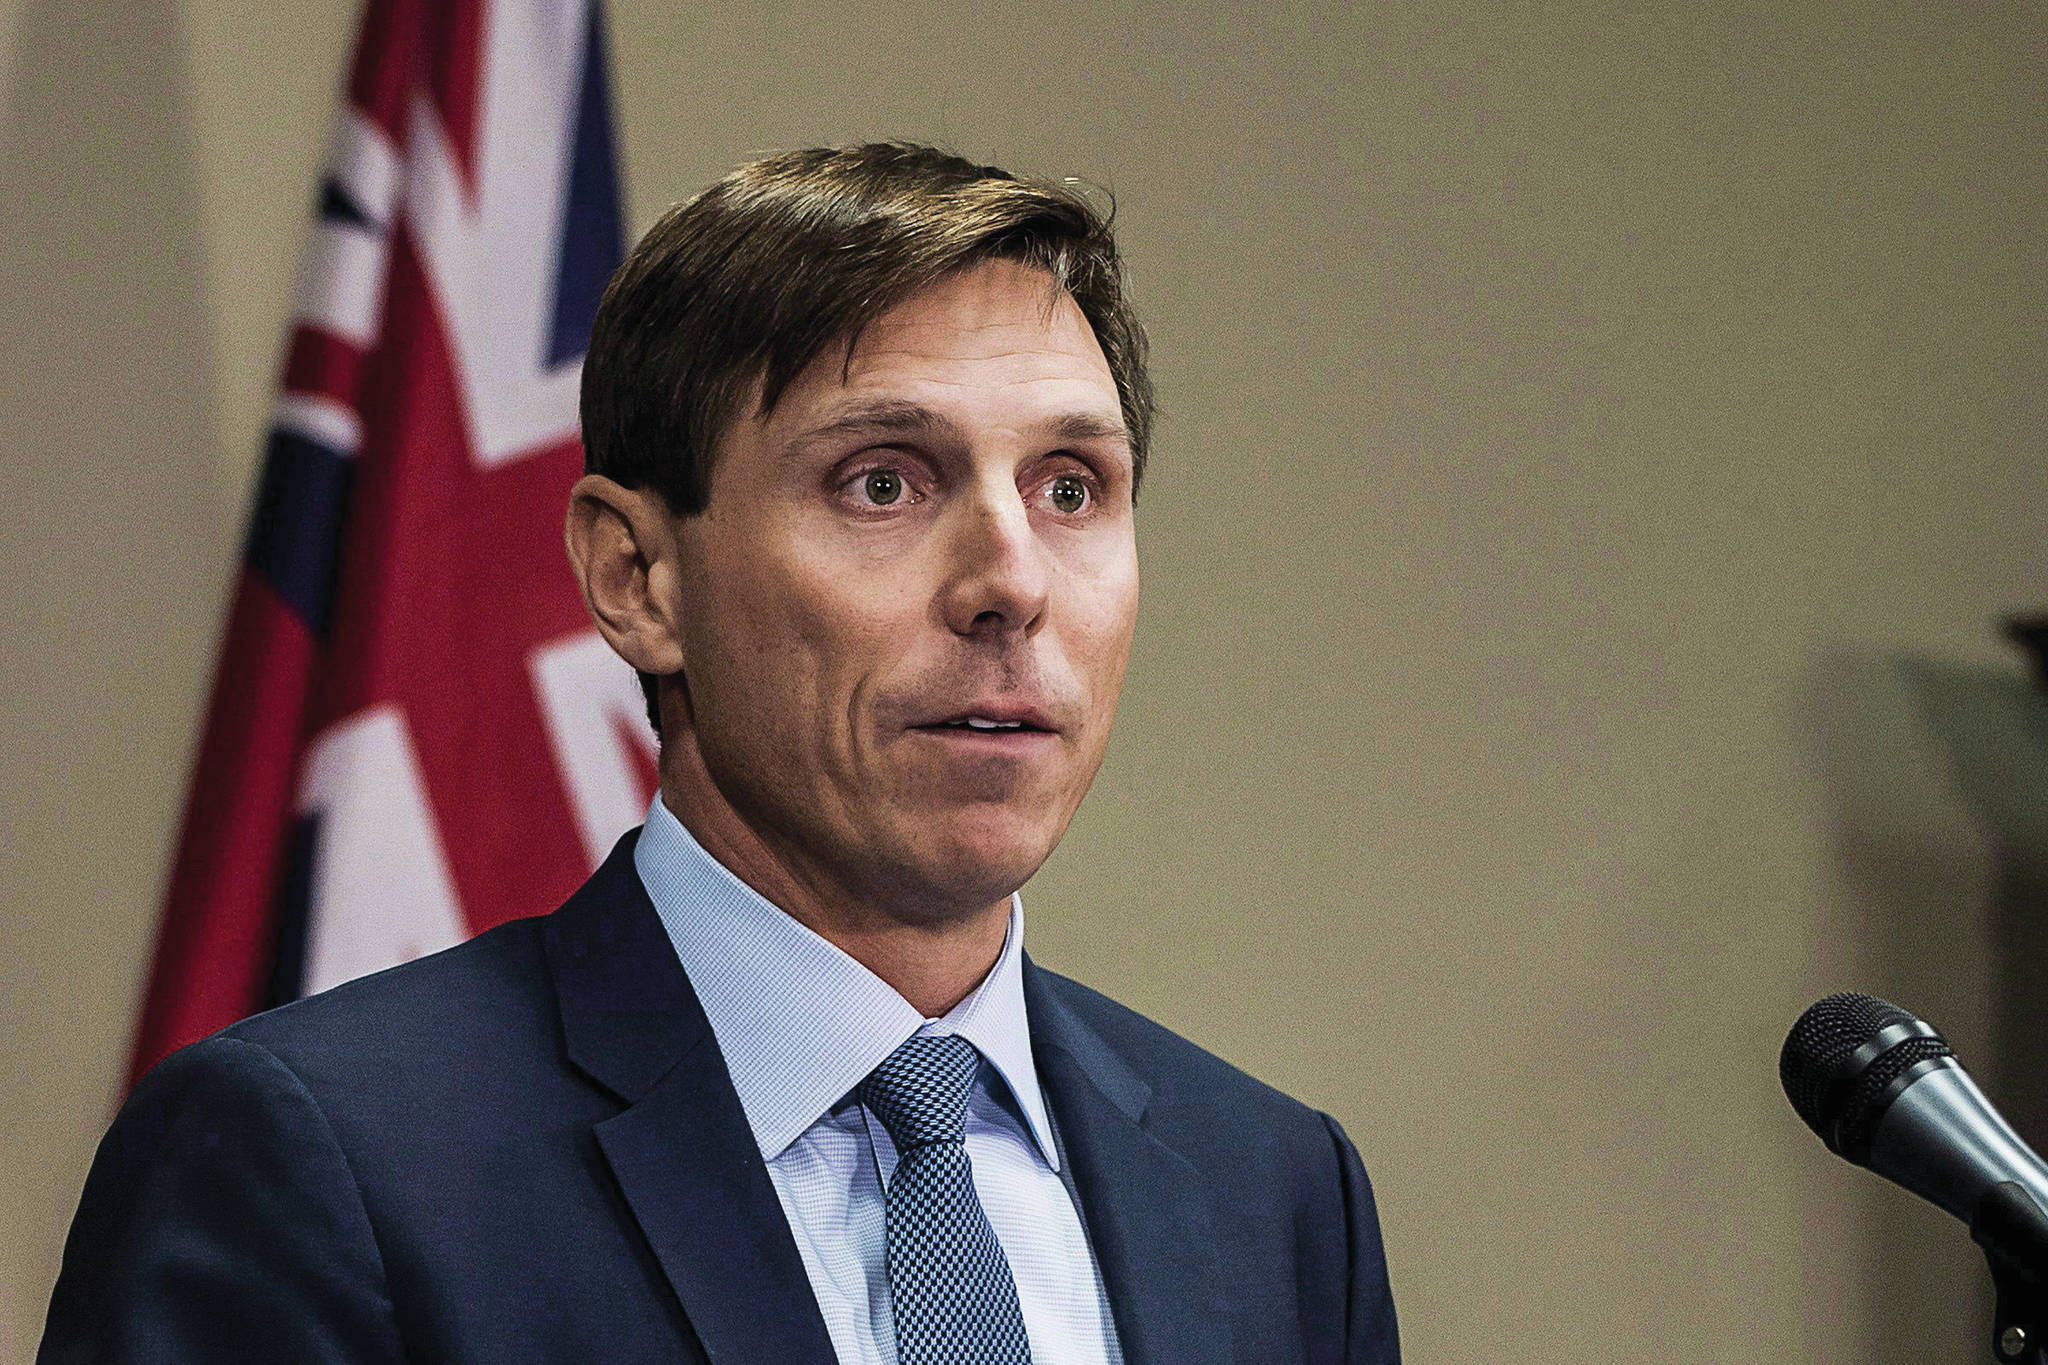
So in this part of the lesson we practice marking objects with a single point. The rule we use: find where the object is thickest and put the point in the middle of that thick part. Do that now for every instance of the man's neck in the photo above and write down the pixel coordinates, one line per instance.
(934, 963)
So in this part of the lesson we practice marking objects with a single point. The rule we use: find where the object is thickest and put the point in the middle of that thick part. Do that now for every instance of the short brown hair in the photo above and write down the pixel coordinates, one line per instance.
(753, 279)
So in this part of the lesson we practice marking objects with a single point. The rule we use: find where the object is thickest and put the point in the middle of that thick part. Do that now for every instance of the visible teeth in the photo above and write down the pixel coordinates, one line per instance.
(977, 723)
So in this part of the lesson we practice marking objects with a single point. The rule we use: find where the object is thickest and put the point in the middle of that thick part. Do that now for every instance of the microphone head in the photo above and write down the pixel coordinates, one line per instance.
(1840, 1060)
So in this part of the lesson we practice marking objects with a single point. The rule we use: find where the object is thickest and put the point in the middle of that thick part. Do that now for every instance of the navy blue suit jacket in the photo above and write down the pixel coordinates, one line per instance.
(527, 1148)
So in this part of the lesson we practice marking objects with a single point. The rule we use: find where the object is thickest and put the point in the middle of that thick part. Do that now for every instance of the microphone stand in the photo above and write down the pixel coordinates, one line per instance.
(2013, 1230)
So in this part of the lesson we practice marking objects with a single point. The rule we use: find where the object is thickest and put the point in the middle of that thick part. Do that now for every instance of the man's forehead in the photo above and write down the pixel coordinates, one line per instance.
(999, 333)
(994, 311)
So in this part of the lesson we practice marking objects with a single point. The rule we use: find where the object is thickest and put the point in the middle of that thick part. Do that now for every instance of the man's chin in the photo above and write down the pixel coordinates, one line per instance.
(968, 870)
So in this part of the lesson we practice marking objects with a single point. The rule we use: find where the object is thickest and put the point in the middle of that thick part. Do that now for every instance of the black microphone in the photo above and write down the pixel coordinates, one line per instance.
(1884, 1090)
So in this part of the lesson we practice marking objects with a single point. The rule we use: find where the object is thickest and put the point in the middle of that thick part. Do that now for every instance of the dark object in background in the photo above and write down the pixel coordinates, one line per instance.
(2030, 633)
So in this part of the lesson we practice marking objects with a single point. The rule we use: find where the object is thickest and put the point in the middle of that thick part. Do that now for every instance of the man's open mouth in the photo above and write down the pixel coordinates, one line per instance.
(994, 718)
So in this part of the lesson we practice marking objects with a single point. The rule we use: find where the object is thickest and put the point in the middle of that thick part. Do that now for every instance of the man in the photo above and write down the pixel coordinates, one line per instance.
(865, 429)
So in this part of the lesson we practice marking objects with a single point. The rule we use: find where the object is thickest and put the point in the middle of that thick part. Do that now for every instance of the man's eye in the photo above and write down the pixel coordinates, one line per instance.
(882, 486)
(1068, 493)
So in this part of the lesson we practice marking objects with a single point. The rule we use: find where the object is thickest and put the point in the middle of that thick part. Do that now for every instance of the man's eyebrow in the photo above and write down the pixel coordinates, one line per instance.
(1087, 426)
(891, 417)
(886, 418)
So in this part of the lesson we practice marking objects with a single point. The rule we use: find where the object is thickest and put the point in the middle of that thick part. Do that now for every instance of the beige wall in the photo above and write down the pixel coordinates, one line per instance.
(1597, 447)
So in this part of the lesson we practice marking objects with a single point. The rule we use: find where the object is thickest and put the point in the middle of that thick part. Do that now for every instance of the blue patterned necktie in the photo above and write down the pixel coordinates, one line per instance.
(949, 1282)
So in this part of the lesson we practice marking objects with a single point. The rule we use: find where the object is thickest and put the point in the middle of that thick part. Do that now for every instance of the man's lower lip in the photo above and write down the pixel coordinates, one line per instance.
(1019, 738)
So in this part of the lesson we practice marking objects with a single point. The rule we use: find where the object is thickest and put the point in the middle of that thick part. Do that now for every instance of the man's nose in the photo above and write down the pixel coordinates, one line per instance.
(998, 577)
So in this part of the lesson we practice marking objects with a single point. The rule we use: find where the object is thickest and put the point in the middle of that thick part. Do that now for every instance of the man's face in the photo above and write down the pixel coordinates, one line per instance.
(909, 602)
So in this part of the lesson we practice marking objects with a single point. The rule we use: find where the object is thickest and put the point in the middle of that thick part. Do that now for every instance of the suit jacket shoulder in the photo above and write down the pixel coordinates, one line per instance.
(1227, 1165)
(431, 1023)
(1179, 1071)
(407, 1166)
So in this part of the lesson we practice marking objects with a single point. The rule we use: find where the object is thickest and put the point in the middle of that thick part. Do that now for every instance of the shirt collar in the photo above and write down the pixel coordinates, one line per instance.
(799, 1022)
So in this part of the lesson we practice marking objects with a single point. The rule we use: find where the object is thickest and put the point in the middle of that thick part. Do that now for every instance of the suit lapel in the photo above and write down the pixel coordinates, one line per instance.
(681, 1150)
(1145, 1206)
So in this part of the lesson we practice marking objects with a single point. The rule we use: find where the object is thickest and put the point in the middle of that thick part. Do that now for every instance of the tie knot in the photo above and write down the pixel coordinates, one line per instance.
(920, 1090)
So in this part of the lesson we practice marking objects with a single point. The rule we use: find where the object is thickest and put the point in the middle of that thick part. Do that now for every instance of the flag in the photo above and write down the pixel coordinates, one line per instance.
(414, 733)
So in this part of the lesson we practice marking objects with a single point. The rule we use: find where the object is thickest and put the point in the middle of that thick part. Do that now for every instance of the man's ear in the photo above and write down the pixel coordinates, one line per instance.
(623, 546)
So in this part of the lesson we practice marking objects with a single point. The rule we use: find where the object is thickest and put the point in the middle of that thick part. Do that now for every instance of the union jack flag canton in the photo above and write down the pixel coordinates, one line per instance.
(414, 733)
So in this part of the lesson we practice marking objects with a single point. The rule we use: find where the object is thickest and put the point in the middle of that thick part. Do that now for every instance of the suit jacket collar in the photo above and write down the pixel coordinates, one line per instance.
(684, 1157)
(1145, 1206)
(692, 1174)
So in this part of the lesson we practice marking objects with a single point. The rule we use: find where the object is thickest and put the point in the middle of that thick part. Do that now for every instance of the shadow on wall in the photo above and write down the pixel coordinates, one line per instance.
(1994, 730)
(114, 532)
(1938, 779)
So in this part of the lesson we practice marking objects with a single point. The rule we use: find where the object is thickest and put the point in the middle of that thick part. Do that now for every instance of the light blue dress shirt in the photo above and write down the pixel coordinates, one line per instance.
(800, 1024)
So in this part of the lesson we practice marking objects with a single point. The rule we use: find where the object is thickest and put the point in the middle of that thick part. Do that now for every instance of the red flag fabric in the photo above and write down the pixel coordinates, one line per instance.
(414, 733)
